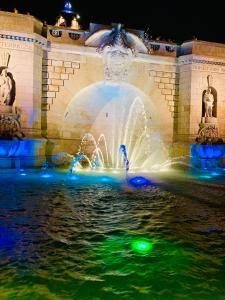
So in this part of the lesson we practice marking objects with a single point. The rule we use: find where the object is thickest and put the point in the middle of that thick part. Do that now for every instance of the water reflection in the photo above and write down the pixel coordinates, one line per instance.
(62, 238)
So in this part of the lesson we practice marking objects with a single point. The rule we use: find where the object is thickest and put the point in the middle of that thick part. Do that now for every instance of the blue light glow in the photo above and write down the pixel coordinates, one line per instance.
(46, 175)
(139, 182)
(207, 156)
(74, 177)
(68, 7)
(215, 174)
(205, 176)
(105, 179)
(7, 238)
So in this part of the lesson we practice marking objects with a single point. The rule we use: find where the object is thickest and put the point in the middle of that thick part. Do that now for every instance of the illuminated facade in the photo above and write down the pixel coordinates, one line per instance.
(49, 68)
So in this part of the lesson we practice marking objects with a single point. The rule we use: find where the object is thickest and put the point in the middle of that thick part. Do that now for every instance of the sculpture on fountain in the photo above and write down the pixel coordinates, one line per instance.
(208, 100)
(118, 48)
(9, 121)
(208, 129)
(209, 151)
(5, 88)
(117, 56)
(74, 23)
(60, 22)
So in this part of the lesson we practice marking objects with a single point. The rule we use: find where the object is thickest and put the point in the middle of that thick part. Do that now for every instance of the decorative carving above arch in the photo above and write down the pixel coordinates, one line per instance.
(107, 37)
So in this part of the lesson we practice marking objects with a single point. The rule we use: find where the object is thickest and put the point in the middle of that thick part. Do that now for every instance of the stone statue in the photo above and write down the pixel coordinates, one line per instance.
(208, 101)
(5, 88)
(74, 24)
(61, 21)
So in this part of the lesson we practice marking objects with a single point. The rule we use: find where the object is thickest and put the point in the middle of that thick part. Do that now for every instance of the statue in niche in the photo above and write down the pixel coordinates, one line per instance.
(6, 86)
(208, 129)
(209, 102)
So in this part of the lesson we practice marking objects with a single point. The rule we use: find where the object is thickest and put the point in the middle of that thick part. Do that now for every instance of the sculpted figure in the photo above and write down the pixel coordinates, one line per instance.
(61, 21)
(208, 102)
(75, 25)
(5, 87)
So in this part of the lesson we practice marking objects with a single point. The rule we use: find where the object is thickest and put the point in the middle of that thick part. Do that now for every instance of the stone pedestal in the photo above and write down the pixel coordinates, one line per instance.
(22, 154)
(5, 109)
(208, 131)
(10, 125)
(208, 156)
(209, 120)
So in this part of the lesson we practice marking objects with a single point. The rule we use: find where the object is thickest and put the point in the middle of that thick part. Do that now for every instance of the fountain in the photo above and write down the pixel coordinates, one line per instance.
(110, 115)
(77, 160)
(113, 114)
(125, 158)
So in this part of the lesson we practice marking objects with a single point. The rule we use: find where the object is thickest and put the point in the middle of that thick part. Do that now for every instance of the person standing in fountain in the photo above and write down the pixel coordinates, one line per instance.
(208, 102)
(5, 88)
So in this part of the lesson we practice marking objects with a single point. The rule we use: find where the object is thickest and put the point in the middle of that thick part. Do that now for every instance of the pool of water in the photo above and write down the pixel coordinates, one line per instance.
(84, 237)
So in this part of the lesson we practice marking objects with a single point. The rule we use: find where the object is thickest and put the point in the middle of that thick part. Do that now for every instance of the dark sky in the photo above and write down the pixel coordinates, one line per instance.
(177, 20)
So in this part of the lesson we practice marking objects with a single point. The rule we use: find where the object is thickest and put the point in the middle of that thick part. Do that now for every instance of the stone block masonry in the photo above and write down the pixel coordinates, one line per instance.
(168, 84)
(54, 75)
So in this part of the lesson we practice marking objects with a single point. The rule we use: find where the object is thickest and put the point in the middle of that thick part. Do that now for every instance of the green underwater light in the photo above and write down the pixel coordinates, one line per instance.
(142, 246)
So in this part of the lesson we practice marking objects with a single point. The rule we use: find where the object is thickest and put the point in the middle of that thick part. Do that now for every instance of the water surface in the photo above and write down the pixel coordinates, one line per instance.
(70, 237)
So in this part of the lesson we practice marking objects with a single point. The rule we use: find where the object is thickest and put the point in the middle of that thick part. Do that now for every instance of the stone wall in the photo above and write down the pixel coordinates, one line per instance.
(168, 83)
(11, 22)
(54, 74)
(65, 75)
(193, 73)
(49, 73)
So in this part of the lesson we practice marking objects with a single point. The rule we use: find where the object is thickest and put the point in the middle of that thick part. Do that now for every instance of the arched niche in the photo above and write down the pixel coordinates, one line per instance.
(214, 93)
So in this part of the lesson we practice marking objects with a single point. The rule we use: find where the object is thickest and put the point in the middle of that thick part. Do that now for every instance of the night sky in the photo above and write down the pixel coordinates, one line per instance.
(171, 19)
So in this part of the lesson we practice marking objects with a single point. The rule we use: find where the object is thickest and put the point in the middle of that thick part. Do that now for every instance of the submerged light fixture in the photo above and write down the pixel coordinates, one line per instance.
(139, 182)
(142, 246)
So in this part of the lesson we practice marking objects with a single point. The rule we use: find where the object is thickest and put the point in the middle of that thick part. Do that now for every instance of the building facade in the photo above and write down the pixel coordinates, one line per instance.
(49, 69)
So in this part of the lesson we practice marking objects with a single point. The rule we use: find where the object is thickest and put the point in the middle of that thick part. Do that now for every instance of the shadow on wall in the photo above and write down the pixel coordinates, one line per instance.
(13, 91)
(44, 122)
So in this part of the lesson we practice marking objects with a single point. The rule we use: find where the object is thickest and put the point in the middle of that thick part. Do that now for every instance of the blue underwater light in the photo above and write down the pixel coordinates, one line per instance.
(46, 175)
(7, 238)
(105, 179)
(139, 182)
(215, 174)
(205, 176)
